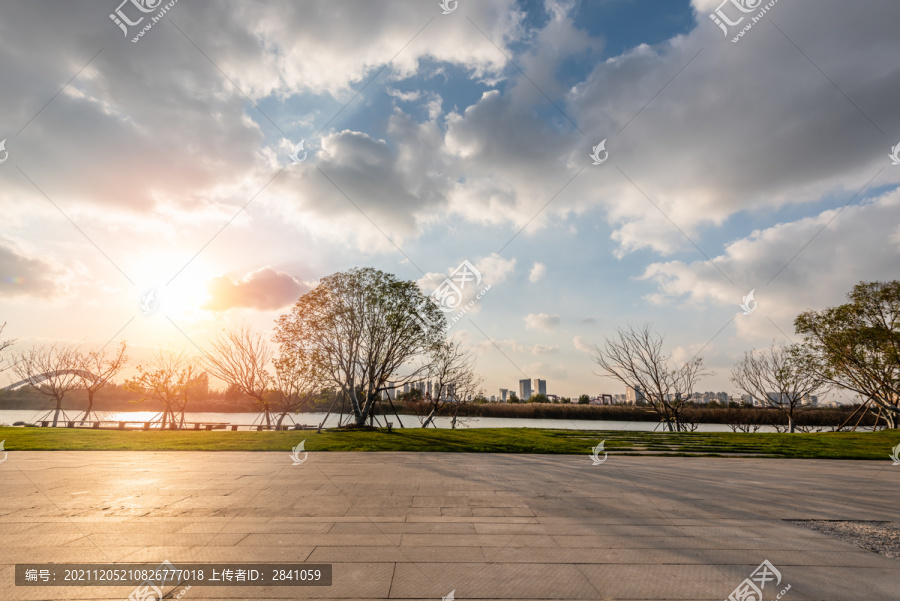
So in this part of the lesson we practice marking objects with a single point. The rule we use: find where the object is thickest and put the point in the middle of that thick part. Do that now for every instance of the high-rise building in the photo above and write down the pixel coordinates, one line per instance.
(524, 390)
(504, 395)
(540, 387)
(634, 395)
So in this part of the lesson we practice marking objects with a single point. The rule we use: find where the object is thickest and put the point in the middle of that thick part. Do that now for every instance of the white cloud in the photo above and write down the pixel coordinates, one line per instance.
(547, 372)
(541, 321)
(851, 248)
(537, 272)
(583, 345)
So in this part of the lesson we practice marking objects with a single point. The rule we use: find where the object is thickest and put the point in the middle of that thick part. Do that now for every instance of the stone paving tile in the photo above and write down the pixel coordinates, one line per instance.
(491, 581)
(416, 526)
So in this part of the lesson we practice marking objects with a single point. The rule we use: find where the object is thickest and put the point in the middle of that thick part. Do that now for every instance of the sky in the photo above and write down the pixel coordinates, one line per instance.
(170, 164)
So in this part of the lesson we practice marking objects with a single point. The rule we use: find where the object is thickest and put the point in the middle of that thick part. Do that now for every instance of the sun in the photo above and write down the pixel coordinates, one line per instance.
(163, 290)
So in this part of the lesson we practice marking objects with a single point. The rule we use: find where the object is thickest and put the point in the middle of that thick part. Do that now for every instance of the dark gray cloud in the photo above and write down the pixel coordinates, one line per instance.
(27, 276)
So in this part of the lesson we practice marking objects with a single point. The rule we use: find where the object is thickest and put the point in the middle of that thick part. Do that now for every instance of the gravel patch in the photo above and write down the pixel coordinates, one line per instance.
(881, 537)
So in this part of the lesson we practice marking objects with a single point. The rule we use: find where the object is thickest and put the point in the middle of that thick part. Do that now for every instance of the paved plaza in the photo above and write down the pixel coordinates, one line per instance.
(418, 526)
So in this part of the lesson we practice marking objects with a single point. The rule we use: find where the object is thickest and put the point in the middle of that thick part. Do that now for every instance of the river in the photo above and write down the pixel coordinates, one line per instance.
(8, 417)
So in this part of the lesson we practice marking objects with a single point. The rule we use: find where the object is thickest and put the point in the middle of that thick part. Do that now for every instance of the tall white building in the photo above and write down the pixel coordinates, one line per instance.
(634, 395)
(504, 395)
(540, 387)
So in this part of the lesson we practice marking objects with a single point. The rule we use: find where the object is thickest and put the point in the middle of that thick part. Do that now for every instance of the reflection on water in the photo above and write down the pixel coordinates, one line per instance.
(408, 421)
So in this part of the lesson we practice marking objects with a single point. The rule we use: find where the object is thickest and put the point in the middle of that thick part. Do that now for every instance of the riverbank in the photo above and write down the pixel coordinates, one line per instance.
(825, 445)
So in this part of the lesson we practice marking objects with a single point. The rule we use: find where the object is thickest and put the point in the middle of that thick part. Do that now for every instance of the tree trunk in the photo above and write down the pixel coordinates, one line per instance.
(429, 418)
(56, 414)
(791, 423)
(87, 413)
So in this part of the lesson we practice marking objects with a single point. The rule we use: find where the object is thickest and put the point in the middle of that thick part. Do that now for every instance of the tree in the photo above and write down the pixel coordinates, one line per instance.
(584, 400)
(781, 376)
(539, 398)
(97, 369)
(635, 358)
(294, 387)
(5, 344)
(454, 381)
(241, 358)
(513, 398)
(856, 346)
(171, 378)
(363, 331)
(51, 370)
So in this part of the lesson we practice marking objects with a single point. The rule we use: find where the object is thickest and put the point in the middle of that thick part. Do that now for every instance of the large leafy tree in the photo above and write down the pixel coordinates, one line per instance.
(857, 345)
(362, 331)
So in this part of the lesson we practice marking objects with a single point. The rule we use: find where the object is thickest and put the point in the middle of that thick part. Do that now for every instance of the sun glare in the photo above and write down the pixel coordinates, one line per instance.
(182, 296)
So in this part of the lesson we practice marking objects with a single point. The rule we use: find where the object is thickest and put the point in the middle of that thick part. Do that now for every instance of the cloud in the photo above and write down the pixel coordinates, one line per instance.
(845, 246)
(27, 276)
(511, 346)
(541, 321)
(265, 289)
(583, 345)
(548, 372)
(537, 272)
(494, 270)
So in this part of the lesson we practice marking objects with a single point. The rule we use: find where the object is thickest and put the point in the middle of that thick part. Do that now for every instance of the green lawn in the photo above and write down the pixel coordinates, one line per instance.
(844, 445)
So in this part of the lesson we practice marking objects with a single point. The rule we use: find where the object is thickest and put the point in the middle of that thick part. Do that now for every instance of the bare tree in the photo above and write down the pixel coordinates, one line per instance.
(780, 376)
(98, 368)
(169, 378)
(454, 381)
(5, 344)
(636, 359)
(52, 370)
(295, 385)
(240, 357)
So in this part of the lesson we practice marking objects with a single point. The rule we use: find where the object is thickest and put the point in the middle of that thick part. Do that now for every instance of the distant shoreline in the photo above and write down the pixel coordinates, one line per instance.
(823, 417)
